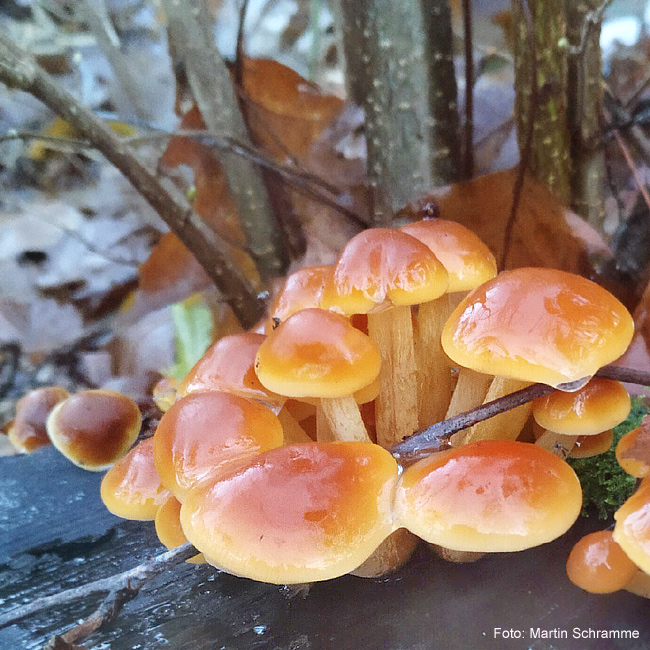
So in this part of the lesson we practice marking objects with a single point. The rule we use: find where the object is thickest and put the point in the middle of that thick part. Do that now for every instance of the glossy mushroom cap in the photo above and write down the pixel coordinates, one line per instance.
(316, 353)
(599, 565)
(27, 432)
(469, 262)
(132, 487)
(204, 432)
(633, 451)
(169, 529)
(632, 529)
(229, 366)
(538, 325)
(295, 514)
(94, 428)
(380, 267)
(598, 406)
(588, 446)
(489, 496)
(303, 289)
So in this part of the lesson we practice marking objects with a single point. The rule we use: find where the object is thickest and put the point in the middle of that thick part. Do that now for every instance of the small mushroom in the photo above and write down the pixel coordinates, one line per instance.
(94, 428)
(295, 514)
(633, 450)
(164, 393)
(489, 496)
(588, 446)
(169, 529)
(131, 488)
(27, 432)
(632, 528)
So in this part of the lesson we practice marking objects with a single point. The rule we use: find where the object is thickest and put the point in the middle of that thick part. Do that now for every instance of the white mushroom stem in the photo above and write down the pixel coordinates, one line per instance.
(343, 419)
(640, 584)
(394, 551)
(434, 367)
(293, 432)
(505, 426)
(471, 389)
(557, 443)
(396, 408)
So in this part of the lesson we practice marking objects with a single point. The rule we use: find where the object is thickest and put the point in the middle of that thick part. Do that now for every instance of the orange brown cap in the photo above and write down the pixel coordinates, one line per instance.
(588, 446)
(596, 407)
(132, 487)
(94, 428)
(303, 289)
(599, 565)
(633, 450)
(27, 432)
(204, 432)
(381, 267)
(538, 325)
(469, 262)
(169, 529)
(316, 353)
(489, 496)
(229, 366)
(295, 514)
(632, 529)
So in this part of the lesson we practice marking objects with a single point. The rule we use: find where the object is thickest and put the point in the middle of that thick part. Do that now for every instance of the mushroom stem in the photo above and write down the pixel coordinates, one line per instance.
(396, 409)
(457, 557)
(505, 426)
(391, 554)
(639, 585)
(471, 389)
(293, 432)
(434, 368)
(557, 443)
(344, 419)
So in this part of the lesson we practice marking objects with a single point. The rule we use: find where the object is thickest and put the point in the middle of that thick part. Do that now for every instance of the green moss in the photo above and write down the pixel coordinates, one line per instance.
(605, 486)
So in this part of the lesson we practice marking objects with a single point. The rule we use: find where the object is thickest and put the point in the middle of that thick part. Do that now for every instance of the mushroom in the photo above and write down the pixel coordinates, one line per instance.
(164, 393)
(469, 263)
(295, 514)
(598, 406)
(203, 433)
(131, 488)
(319, 354)
(169, 529)
(383, 272)
(588, 446)
(489, 496)
(632, 528)
(27, 431)
(534, 325)
(633, 450)
(599, 565)
(94, 428)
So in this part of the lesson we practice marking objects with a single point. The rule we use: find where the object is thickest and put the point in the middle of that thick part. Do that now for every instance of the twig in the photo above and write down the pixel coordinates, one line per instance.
(126, 583)
(469, 90)
(592, 21)
(190, 30)
(240, 50)
(436, 437)
(19, 70)
(632, 167)
(9, 358)
(528, 142)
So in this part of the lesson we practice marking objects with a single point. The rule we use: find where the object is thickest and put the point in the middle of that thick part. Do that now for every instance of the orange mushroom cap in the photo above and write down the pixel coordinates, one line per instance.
(204, 432)
(599, 565)
(588, 446)
(632, 529)
(316, 353)
(633, 450)
(27, 432)
(469, 262)
(132, 487)
(488, 496)
(169, 529)
(295, 514)
(229, 366)
(94, 428)
(381, 267)
(598, 406)
(538, 325)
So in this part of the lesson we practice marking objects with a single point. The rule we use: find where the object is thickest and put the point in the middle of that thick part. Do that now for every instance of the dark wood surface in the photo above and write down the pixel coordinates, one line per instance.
(55, 534)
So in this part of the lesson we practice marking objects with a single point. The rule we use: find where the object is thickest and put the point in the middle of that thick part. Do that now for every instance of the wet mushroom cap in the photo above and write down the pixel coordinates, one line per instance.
(489, 496)
(27, 432)
(632, 529)
(132, 487)
(633, 451)
(204, 432)
(588, 446)
(599, 565)
(600, 405)
(295, 514)
(94, 428)
(469, 262)
(316, 353)
(538, 325)
(381, 267)
(229, 366)
(169, 529)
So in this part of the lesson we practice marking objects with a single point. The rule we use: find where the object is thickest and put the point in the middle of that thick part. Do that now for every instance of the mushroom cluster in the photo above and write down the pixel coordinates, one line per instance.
(273, 454)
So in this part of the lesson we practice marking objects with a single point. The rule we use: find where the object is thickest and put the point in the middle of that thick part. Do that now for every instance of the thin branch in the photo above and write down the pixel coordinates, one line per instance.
(469, 90)
(592, 22)
(19, 70)
(436, 437)
(127, 581)
(240, 51)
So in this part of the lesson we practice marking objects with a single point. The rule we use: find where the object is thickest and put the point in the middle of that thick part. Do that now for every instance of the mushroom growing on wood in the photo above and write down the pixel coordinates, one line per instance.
(632, 529)
(94, 428)
(169, 529)
(299, 513)
(489, 496)
(633, 450)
